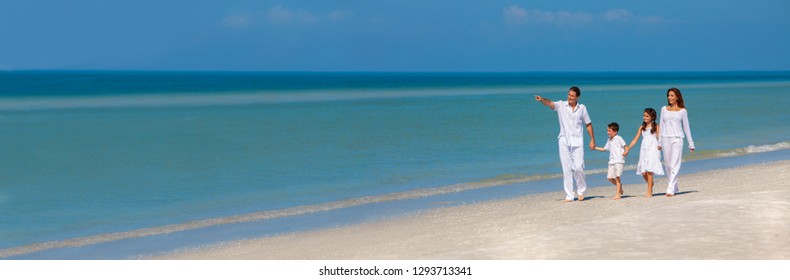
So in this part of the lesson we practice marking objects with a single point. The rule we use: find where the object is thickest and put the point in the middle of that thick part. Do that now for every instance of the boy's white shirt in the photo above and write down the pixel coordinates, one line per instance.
(615, 147)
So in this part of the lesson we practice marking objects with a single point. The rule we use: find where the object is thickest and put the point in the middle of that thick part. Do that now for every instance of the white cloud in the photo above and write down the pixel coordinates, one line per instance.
(336, 16)
(237, 21)
(652, 19)
(279, 14)
(305, 17)
(538, 16)
(564, 17)
(516, 15)
(283, 15)
(618, 15)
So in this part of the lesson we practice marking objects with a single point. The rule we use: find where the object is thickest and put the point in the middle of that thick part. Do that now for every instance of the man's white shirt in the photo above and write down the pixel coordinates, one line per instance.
(572, 122)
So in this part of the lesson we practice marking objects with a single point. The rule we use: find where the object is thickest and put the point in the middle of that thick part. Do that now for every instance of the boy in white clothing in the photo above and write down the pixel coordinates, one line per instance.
(616, 146)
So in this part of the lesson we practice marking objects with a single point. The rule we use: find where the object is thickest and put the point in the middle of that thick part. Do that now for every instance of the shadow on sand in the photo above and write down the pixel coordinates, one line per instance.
(676, 194)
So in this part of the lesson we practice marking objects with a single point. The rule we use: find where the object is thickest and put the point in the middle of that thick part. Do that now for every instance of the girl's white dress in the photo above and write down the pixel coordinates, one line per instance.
(649, 155)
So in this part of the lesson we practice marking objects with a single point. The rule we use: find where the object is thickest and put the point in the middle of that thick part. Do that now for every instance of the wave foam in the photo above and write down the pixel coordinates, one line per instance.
(752, 149)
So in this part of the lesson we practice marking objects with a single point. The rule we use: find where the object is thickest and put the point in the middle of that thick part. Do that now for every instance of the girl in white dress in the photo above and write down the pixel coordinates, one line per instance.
(649, 156)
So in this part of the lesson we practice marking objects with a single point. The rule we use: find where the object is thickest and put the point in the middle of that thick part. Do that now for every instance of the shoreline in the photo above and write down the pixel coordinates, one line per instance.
(733, 213)
(147, 245)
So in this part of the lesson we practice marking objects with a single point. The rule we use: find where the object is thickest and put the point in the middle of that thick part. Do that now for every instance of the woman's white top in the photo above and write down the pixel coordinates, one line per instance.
(675, 124)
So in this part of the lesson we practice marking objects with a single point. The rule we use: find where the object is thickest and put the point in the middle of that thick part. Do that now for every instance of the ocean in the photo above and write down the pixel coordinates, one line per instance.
(91, 158)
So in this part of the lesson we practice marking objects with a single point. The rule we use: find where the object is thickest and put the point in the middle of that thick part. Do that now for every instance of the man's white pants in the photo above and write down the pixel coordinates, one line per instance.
(672, 148)
(572, 159)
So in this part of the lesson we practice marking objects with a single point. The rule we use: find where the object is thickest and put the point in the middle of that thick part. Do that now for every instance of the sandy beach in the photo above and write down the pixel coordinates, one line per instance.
(739, 213)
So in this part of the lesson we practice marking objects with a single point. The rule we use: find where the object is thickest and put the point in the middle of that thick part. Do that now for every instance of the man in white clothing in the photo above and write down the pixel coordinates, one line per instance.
(573, 118)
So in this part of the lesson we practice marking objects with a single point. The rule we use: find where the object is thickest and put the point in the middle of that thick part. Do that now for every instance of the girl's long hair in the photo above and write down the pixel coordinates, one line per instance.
(681, 104)
(652, 113)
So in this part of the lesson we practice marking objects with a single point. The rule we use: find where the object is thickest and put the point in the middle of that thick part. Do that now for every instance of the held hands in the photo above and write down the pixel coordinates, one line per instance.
(592, 145)
(625, 153)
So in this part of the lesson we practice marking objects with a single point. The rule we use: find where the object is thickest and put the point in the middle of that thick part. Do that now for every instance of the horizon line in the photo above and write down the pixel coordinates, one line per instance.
(387, 71)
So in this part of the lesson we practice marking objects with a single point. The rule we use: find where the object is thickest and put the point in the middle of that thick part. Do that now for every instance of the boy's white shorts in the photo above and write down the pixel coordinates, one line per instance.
(615, 170)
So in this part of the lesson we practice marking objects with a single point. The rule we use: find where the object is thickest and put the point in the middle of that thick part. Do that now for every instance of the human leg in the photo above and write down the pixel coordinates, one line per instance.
(567, 174)
(648, 176)
(619, 172)
(672, 159)
(611, 175)
(577, 165)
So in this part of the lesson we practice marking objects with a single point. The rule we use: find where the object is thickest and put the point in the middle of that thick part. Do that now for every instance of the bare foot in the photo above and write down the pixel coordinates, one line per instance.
(567, 200)
(616, 197)
(581, 198)
(670, 195)
(649, 195)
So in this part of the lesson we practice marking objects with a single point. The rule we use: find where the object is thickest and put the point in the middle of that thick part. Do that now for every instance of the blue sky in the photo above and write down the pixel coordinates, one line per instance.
(379, 35)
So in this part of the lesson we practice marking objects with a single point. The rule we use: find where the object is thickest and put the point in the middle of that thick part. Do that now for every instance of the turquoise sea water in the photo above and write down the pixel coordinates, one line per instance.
(89, 153)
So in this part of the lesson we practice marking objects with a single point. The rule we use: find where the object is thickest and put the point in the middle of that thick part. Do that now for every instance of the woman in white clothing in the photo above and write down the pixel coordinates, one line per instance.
(674, 124)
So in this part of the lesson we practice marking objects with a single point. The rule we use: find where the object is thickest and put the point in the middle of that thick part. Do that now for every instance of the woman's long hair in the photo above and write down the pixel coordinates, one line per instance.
(652, 113)
(681, 104)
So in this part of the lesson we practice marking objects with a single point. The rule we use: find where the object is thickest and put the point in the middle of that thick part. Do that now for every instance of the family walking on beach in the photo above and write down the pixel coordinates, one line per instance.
(665, 136)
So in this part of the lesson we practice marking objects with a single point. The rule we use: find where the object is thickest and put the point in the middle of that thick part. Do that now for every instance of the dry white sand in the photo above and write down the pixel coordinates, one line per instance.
(740, 213)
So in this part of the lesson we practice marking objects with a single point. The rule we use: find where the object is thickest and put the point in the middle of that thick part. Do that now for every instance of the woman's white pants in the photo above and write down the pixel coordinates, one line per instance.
(672, 148)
